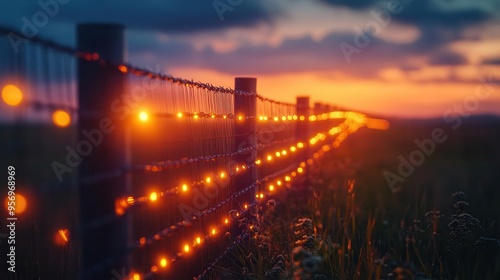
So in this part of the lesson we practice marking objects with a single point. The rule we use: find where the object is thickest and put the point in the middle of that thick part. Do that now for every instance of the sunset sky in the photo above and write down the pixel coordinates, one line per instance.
(418, 58)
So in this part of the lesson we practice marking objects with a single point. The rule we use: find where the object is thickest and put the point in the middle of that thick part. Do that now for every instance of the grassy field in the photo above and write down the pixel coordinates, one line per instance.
(345, 222)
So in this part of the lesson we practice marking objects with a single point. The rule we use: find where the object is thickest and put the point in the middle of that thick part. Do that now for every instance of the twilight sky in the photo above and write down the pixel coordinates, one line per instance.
(411, 58)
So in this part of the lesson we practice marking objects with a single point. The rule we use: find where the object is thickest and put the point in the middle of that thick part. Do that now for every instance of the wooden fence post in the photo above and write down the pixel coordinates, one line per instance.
(303, 127)
(103, 234)
(302, 132)
(245, 130)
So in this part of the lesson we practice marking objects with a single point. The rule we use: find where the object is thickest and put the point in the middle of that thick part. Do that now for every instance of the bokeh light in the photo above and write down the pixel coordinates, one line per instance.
(20, 206)
(12, 95)
(143, 116)
(61, 118)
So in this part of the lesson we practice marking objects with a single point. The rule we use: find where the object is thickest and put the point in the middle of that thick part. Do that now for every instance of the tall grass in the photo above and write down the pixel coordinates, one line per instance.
(325, 231)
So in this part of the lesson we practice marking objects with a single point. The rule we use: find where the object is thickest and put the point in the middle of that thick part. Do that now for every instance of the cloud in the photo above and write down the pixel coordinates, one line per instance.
(354, 4)
(447, 58)
(291, 56)
(427, 12)
(172, 17)
(491, 61)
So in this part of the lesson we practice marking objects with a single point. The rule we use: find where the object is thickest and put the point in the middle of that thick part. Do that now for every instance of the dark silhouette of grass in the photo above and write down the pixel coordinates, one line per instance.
(347, 224)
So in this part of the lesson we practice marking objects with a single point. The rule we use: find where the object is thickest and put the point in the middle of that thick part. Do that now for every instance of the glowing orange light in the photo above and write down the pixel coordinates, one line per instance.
(261, 118)
(269, 157)
(123, 68)
(278, 154)
(195, 116)
(214, 231)
(179, 115)
(245, 206)
(266, 118)
(12, 95)
(163, 262)
(283, 118)
(153, 196)
(293, 149)
(287, 178)
(258, 162)
(261, 195)
(143, 116)
(20, 203)
(222, 175)
(154, 268)
(237, 168)
(61, 237)
(295, 117)
(184, 188)
(289, 118)
(294, 174)
(302, 118)
(224, 117)
(130, 200)
(136, 276)
(271, 188)
(61, 118)
(243, 167)
(278, 183)
(226, 221)
(186, 248)
(208, 180)
(240, 118)
(198, 240)
(213, 116)
(300, 170)
(142, 240)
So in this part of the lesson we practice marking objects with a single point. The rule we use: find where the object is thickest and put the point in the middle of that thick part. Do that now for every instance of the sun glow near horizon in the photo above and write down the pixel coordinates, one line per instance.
(397, 99)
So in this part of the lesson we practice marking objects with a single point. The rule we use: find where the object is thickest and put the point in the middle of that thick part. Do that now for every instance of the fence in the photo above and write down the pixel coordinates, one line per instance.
(162, 168)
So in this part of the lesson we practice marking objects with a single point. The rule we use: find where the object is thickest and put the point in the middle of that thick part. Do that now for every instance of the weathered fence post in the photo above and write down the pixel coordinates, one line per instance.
(303, 130)
(303, 127)
(245, 130)
(102, 145)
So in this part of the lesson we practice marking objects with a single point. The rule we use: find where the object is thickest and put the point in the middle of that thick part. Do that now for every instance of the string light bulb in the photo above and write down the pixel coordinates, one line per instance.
(163, 262)
(153, 196)
(61, 118)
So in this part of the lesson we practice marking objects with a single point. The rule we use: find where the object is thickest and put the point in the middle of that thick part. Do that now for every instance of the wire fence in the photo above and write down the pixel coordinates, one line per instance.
(154, 172)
